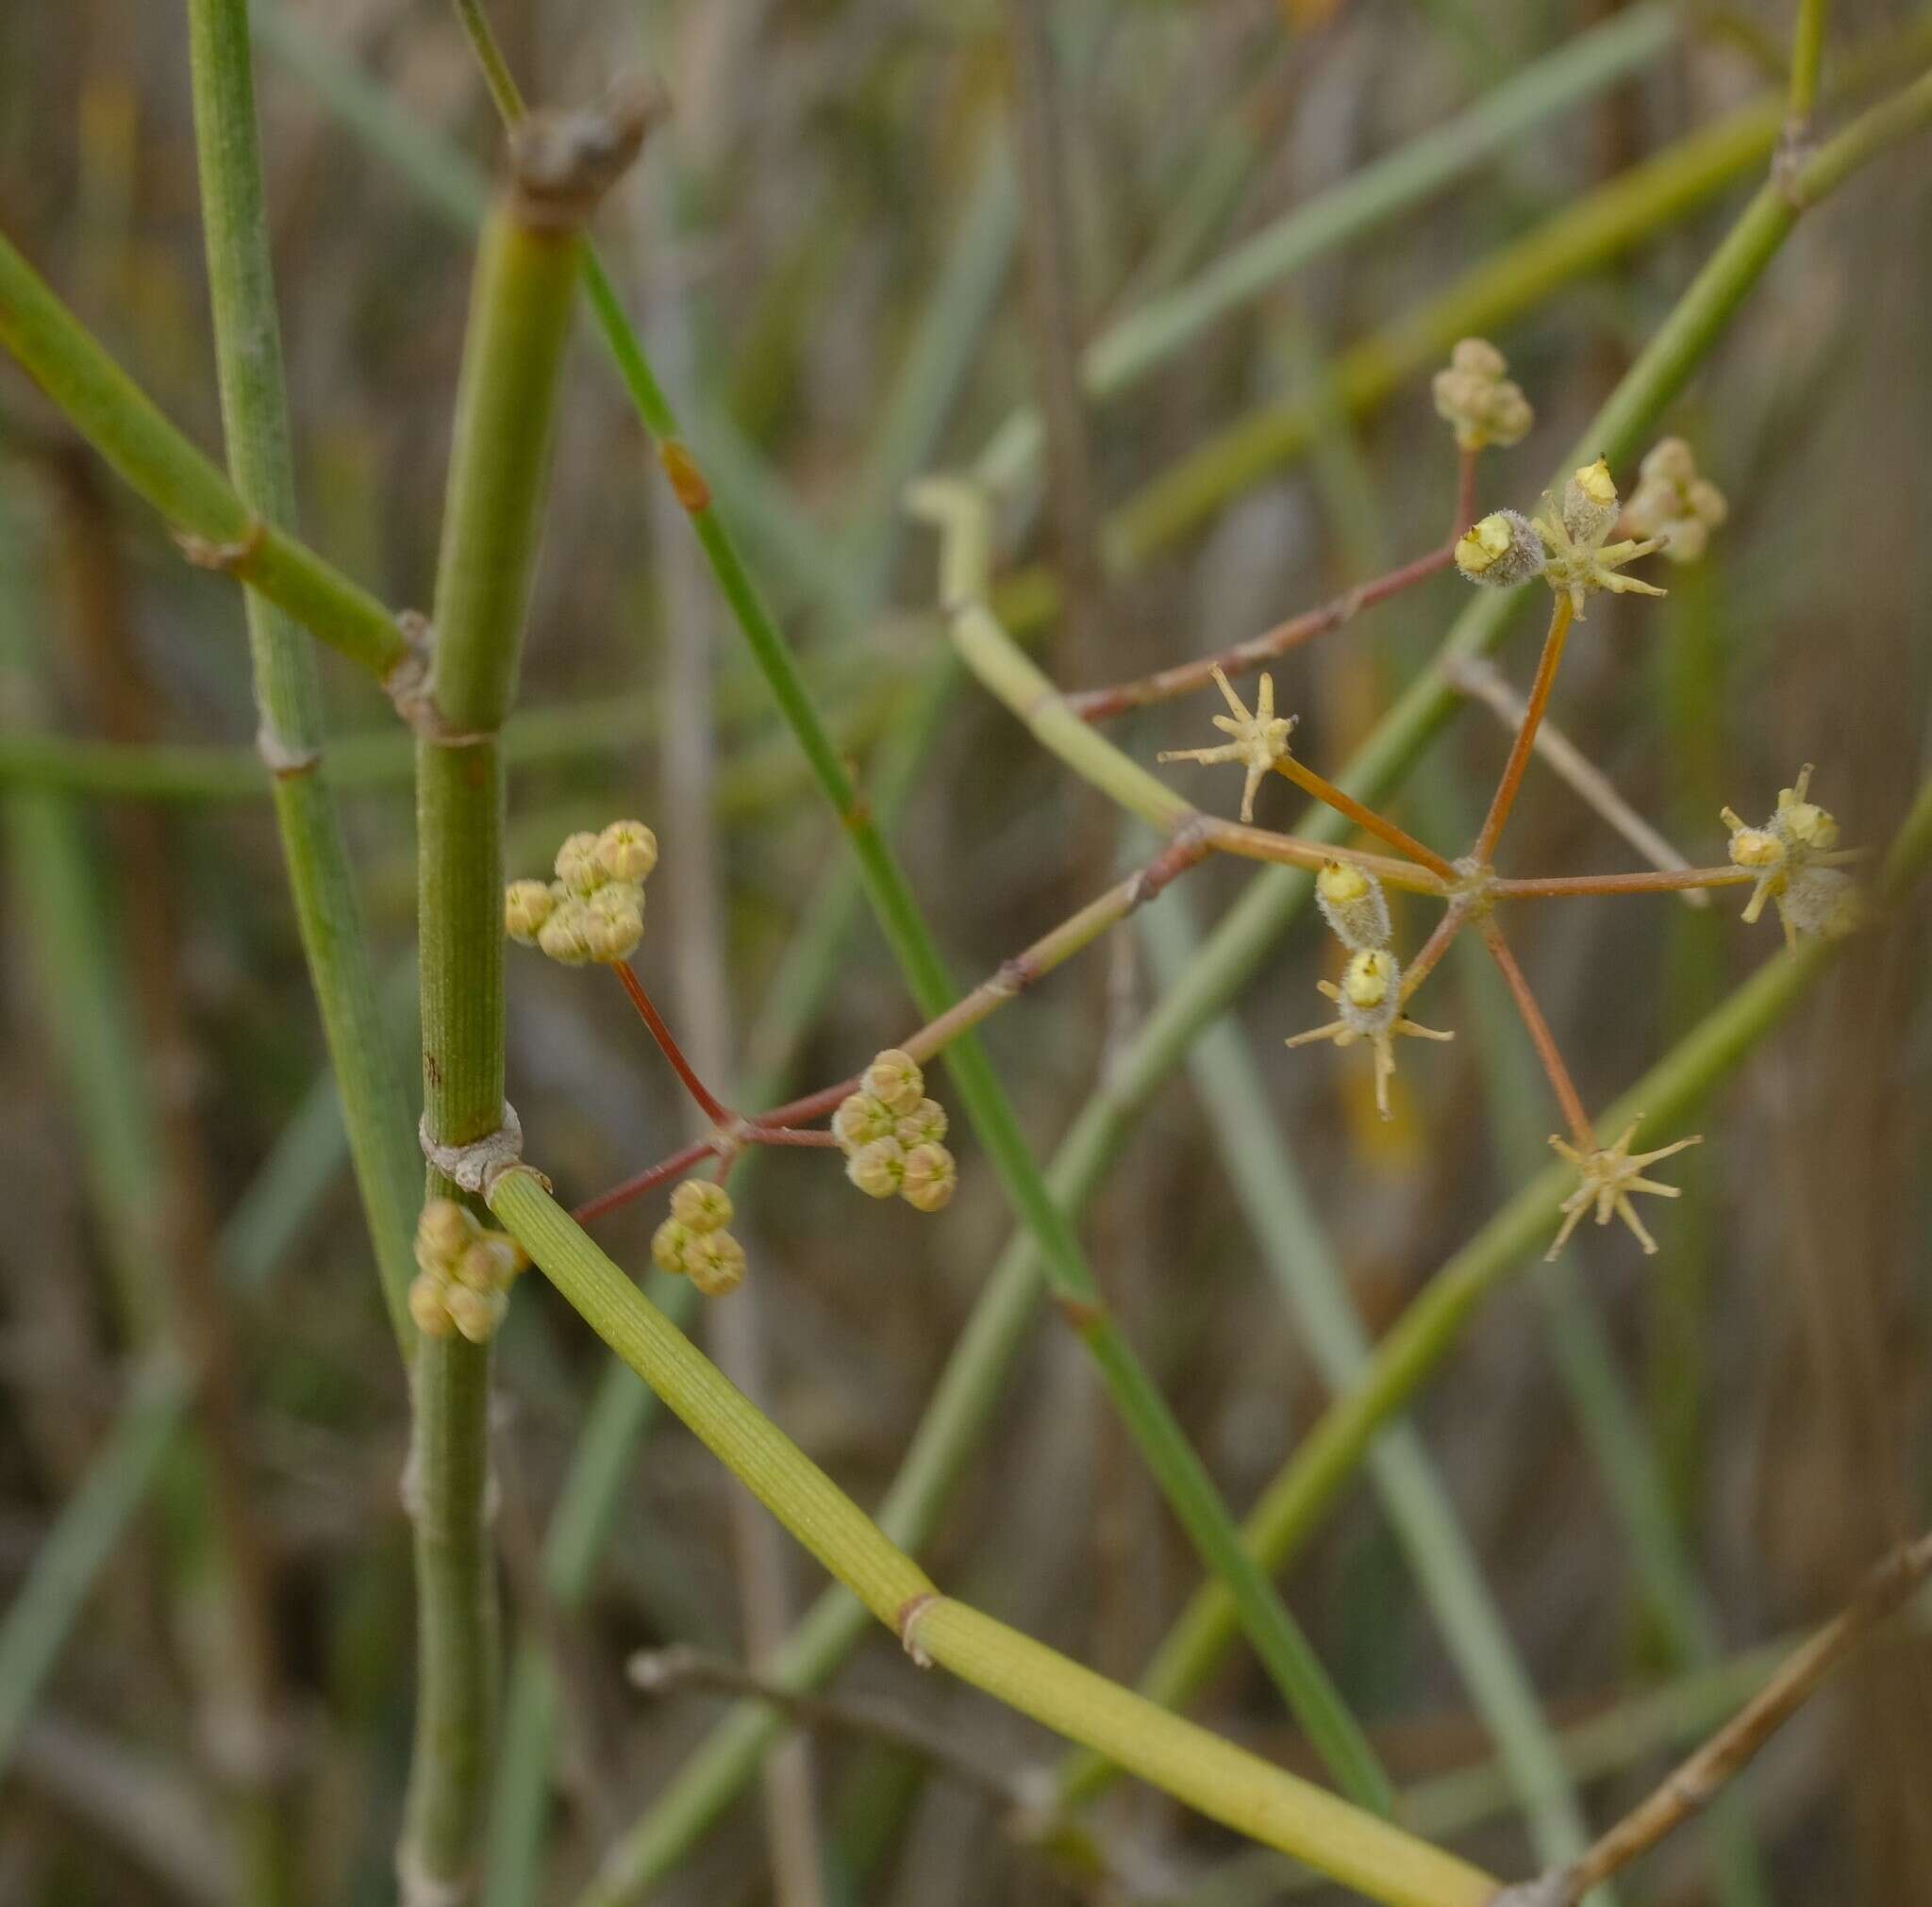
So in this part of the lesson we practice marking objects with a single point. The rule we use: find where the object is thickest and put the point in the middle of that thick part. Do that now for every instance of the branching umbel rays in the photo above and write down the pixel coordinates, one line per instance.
(1581, 545)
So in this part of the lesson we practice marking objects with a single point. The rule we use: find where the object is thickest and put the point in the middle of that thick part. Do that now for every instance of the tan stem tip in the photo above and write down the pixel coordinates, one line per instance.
(563, 162)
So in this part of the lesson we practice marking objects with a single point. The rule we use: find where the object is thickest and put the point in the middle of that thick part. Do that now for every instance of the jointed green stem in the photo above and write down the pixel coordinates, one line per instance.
(218, 528)
(1226, 1782)
(520, 308)
(254, 419)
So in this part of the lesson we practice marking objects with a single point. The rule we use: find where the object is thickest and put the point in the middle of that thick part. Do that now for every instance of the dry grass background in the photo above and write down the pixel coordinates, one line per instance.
(823, 156)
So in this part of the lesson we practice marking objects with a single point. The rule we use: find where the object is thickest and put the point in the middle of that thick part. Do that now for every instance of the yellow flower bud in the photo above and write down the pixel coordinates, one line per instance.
(444, 1230)
(1472, 394)
(859, 1119)
(1370, 979)
(490, 1263)
(716, 1263)
(526, 904)
(614, 918)
(701, 1204)
(877, 1168)
(1674, 504)
(572, 936)
(475, 1314)
(930, 1178)
(1353, 905)
(925, 1125)
(1590, 504)
(627, 851)
(894, 1079)
(579, 865)
(426, 1308)
(670, 1246)
(1500, 551)
(1755, 848)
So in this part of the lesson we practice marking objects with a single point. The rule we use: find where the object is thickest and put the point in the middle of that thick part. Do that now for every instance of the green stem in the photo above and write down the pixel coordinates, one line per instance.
(521, 305)
(761, 773)
(255, 417)
(1808, 61)
(1288, 1233)
(1277, 1637)
(1225, 1783)
(123, 424)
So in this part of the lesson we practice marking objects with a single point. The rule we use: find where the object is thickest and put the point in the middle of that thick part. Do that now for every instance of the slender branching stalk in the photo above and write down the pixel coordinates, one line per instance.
(1696, 1783)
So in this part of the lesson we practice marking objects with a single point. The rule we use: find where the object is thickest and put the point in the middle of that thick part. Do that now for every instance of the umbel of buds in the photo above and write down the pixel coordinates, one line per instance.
(893, 1135)
(594, 909)
(1674, 504)
(463, 1274)
(692, 1243)
(1566, 543)
(1485, 407)
(1784, 854)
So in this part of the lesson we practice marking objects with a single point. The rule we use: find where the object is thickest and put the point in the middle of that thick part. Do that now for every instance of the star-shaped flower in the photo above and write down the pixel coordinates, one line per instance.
(1580, 562)
(1368, 1006)
(1260, 740)
(1608, 1176)
(1787, 854)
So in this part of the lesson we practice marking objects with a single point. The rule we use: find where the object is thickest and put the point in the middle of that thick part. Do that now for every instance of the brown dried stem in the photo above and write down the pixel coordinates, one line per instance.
(1478, 677)
(1519, 750)
(1103, 705)
(1697, 1782)
(1540, 1037)
(1363, 817)
(708, 1103)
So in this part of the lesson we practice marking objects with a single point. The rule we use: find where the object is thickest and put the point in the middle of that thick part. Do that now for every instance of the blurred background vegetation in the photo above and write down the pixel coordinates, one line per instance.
(1660, 1463)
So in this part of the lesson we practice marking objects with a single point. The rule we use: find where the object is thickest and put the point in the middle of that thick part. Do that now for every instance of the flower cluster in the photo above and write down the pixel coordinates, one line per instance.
(594, 909)
(1485, 407)
(1674, 504)
(1567, 543)
(692, 1243)
(1369, 1001)
(1260, 740)
(464, 1272)
(1787, 855)
(893, 1135)
(1606, 1177)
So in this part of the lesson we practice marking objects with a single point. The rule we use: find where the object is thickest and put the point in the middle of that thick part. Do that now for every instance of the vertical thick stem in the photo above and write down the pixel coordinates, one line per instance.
(519, 324)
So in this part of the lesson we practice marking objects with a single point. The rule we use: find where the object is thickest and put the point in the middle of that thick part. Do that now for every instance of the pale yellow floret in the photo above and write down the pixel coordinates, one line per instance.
(627, 851)
(1580, 562)
(1260, 740)
(1369, 1007)
(1607, 1177)
(701, 1206)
